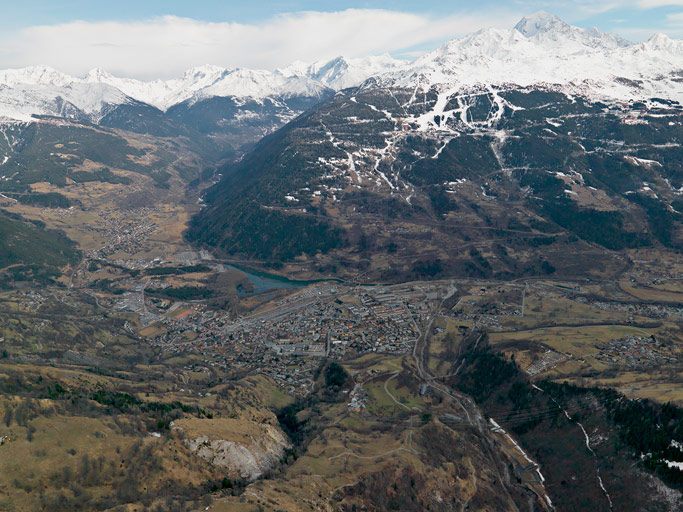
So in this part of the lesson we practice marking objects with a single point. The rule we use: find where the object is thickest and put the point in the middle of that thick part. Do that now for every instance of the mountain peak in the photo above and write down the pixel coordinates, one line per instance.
(659, 40)
(342, 72)
(207, 70)
(98, 75)
(539, 22)
(34, 75)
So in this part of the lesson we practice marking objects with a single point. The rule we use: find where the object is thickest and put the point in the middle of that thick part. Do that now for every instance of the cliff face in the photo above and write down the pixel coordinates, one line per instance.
(245, 448)
(248, 461)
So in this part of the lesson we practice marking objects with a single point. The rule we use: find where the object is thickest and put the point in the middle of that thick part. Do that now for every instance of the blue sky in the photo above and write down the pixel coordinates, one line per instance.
(159, 38)
(605, 14)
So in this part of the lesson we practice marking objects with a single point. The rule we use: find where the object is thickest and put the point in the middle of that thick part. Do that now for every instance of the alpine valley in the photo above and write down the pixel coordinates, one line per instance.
(364, 284)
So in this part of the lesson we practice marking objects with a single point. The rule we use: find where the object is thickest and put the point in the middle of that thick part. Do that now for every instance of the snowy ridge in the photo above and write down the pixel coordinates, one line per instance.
(161, 93)
(36, 75)
(544, 50)
(261, 84)
(210, 81)
(342, 73)
(73, 101)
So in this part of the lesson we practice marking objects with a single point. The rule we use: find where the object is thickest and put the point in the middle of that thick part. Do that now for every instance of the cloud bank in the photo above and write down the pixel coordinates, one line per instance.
(166, 46)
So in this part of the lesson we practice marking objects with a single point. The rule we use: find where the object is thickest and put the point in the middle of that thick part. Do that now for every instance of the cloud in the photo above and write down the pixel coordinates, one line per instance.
(652, 4)
(166, 46)
(675, 19)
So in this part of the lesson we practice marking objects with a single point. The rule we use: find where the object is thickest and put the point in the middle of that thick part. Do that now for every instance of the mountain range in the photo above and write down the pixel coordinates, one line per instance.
(544, 50)
(382, 165)
(540, 49)
(468, 160)
(41, 90)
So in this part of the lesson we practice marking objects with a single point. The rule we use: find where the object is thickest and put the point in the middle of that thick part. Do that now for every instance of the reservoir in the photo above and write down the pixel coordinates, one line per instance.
(264, 281)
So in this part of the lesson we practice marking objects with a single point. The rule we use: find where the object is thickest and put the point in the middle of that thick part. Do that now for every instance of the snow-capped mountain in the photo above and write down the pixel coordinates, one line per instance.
(74, 100)
(41, 90)
(542, 49)
(342, 73)
(35, 75)
(488, 133)
(211, 81)
(550, 29)
(161, 93)
(261, 84)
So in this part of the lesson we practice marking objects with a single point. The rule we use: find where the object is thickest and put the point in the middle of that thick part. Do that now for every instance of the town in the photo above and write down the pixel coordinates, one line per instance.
(287, 339)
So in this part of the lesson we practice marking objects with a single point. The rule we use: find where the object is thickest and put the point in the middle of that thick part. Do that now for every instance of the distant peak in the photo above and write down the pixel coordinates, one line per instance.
(338, 60)
(205, 70)
(38, 67)
(659, 39)
(35, 75)
(39, 70)
(97, 75)
(539, 22)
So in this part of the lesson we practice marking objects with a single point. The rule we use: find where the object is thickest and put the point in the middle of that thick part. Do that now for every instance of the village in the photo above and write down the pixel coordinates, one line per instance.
(637, 352)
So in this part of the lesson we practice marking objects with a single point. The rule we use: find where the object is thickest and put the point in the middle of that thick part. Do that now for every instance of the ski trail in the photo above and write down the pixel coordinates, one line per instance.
(398, 102)
(337, 144)
(382, 154)
(440, 150)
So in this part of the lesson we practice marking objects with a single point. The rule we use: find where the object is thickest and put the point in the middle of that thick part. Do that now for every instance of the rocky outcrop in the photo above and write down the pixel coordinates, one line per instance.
(245, 449)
